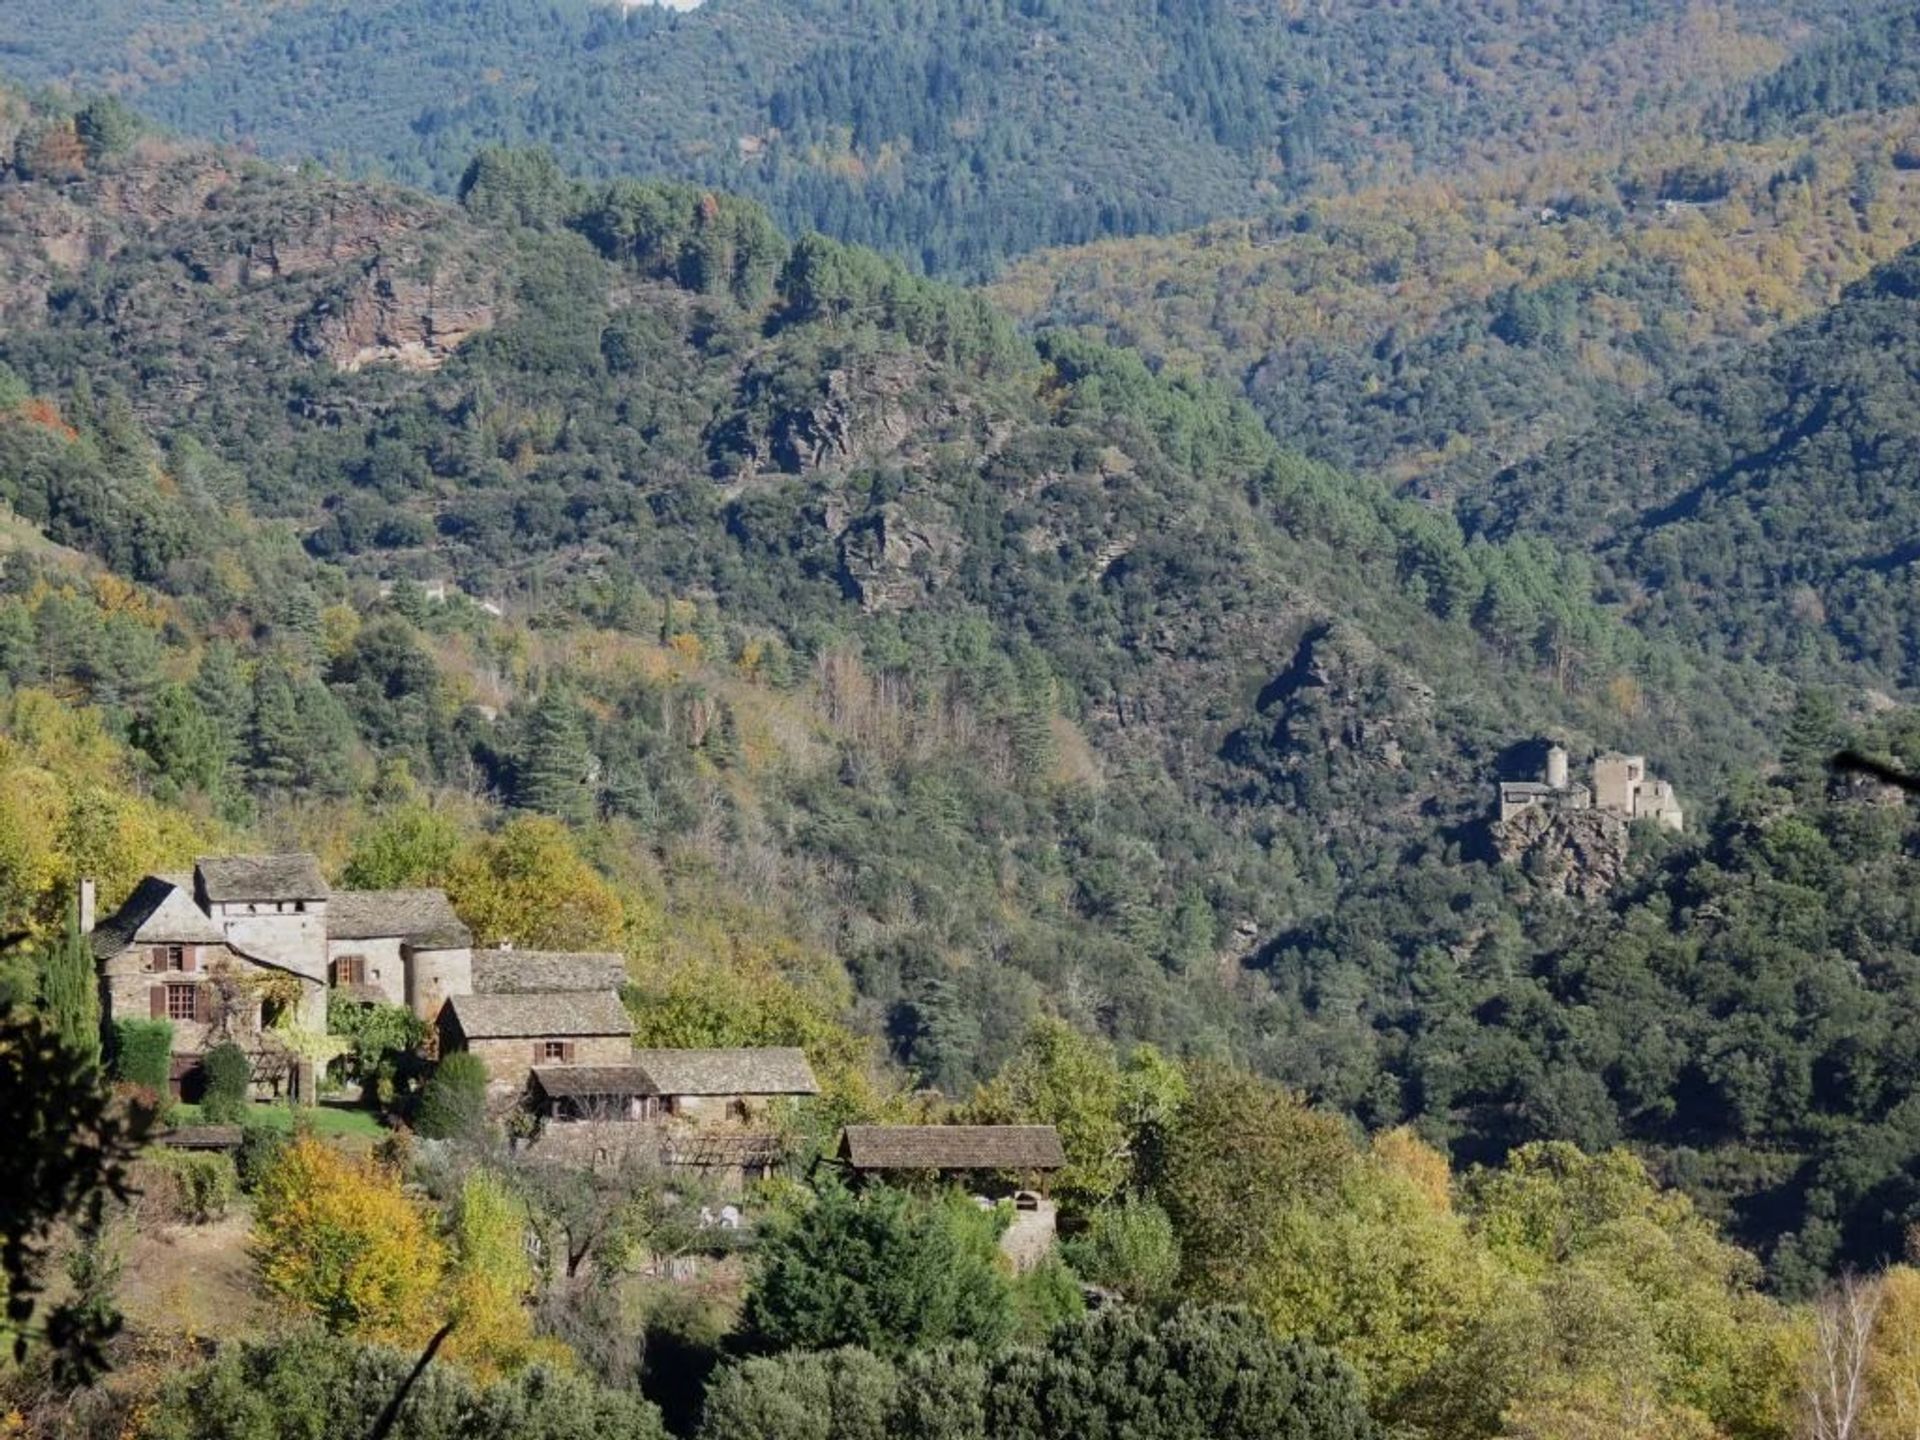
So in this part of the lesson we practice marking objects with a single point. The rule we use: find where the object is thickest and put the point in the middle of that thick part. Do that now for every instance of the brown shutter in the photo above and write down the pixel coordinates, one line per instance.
(157, 1002)
(566, 1051)
(189, 957)
(157, 958)
(200, 1006)
(539, 1051)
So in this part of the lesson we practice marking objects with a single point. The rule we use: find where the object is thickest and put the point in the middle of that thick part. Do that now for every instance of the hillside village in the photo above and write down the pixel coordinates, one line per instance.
(256, 951)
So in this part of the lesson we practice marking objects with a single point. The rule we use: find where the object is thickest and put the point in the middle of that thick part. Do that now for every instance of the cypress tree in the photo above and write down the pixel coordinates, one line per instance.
(69, 992)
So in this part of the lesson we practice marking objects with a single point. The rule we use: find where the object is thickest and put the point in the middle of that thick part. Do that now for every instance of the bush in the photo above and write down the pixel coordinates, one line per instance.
(882, 1269)
(1130, 1248)
(311, 1384)
(186, 1187)
(143, 1053)
(454, 1104)
(260, 1147)
(229, 1078)
(1045, 1298)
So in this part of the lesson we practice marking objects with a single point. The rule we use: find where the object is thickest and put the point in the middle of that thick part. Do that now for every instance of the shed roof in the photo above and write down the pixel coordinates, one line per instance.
(952, 1147)
(224, 878)
(499, 1017)
(746, 1071)
(422, 918)
(579, 1082)
(159, 912)
(531, 972)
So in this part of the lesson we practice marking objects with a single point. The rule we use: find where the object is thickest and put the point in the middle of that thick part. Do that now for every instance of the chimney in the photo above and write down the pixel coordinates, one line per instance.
(88, 904)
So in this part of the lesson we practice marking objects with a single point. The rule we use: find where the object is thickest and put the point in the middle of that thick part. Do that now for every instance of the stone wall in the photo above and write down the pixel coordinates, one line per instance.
(385, 969)
(508, 1061)
(436, 976)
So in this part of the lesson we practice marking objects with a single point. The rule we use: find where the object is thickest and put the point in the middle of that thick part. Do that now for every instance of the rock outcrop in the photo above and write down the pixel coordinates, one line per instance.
(1580, 853)
(387, 316)
(891, 559)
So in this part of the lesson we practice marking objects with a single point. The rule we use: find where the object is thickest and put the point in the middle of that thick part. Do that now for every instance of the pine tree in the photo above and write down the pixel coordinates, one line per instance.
(69, 992)
(558, 766)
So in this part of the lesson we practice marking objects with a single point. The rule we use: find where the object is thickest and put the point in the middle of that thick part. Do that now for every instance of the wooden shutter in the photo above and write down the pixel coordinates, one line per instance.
(157, 1002)
(157, 958)
(189, 957)
(566, 1051)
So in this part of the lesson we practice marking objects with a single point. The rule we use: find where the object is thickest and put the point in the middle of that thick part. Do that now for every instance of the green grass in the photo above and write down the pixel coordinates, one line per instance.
(338, 1121)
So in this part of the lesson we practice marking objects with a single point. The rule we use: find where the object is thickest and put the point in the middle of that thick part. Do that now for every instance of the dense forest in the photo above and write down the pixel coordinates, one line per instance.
(1757, 509)
(1010, 679)
(955, 133)
(1071, 701)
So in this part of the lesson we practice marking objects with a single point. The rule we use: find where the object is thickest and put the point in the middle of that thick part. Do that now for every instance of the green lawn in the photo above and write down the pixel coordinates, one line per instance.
(343, 1121)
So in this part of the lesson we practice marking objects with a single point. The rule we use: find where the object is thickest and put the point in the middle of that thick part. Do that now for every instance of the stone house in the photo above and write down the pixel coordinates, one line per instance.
(515, 1032)
(399, 947)
(713, 1110)
(248, 944)
(1009, 1164)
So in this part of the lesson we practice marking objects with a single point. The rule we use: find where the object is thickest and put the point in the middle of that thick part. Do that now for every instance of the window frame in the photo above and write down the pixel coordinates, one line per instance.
(175, 993)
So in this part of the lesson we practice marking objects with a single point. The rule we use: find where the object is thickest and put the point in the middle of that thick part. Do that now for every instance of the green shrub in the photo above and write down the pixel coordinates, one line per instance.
(229, 1076)
(307, 1383)
(143, 1053)
(454, 1104)
(1045, 1298)
(1129, 1247)
(188, 1187)
(260, 1146)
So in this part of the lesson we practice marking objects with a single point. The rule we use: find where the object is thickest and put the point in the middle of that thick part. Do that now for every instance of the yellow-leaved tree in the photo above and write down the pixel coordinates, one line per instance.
(338, 1237)
(491, 1281)
(529, 884)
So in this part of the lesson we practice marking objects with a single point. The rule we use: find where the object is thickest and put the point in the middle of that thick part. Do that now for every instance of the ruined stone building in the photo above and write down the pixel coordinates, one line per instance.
(1621, 787)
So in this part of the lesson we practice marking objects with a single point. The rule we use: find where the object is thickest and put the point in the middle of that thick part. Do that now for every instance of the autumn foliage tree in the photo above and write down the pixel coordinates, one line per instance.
(340, 1239)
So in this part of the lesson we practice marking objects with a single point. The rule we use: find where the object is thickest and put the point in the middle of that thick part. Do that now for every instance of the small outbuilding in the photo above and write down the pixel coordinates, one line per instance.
(515, 1033)
(1009, 1163)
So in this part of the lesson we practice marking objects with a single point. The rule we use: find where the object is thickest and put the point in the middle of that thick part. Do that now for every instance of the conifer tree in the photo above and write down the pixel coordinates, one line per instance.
(69, 994)
(556, 776)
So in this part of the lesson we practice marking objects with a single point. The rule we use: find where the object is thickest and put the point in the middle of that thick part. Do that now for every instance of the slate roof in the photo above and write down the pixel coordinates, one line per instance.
(761, 1071)
(184, 923)
(224, 878)
(952, 1147)
(529, 972)
(565, 1082)
(500, 1017)
(422, 918)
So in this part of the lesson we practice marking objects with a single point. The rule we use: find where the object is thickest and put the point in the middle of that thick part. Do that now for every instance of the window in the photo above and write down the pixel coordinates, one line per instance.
(176, 957)
(350, 970)
(553, 1050)
(183, 1002)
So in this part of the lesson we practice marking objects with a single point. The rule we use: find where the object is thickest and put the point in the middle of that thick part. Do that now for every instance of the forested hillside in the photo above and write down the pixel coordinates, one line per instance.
(1762, 509)
(1439, 331)
(872, 674)
(953, 132)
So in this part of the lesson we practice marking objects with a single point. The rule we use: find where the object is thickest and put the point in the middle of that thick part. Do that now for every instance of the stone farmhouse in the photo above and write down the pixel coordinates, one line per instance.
(251, 948)
(1621, 786)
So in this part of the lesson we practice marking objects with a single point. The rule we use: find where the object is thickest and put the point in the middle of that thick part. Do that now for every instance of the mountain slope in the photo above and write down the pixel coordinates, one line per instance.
(1443, 330)
(1765, 509)
(958, 132)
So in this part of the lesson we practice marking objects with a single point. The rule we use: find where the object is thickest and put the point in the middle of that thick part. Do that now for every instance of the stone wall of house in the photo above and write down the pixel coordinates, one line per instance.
(436, 976)
(509, 1061)
(129, 982)
(385, 970)
(602, 1144)
(291, 941)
